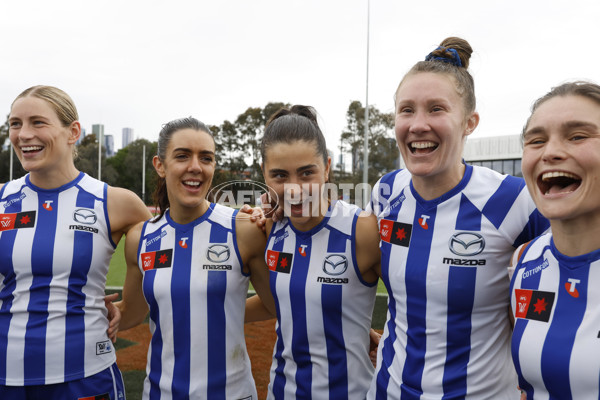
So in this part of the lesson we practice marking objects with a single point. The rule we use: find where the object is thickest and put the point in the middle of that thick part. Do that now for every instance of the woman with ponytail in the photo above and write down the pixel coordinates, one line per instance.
(190, 267)
(447, 233)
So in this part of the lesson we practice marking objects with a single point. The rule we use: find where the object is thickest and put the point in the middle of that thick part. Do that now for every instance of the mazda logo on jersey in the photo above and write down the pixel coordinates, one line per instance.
(466, 244)
(85, 216)
(218, 253)
(335, 264)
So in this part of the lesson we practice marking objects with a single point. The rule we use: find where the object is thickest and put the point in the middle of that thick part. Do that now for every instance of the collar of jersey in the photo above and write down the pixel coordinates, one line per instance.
(189, 225)
(317, 227)
(58, 189)
(428, 204)
(572, 263)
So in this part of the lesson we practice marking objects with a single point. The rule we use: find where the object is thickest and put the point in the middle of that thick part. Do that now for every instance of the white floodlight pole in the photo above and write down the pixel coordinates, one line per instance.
(366, 142)
(144, 173)
(99, 154)
(10, 169)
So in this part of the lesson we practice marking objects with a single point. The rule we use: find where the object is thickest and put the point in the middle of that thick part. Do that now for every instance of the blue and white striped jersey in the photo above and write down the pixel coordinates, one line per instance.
(55, 249)
(324, 310)
(444, 264)
(556, 340)
(196, 290)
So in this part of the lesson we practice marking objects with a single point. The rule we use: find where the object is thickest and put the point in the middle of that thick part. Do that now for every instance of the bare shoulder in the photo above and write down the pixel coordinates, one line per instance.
(247, 231)
(125, 209)
(366, 225)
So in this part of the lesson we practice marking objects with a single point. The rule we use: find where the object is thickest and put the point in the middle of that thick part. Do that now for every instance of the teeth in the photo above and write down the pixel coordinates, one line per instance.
(31, 148)
(192, 183)
(558, 174)
(422, 145)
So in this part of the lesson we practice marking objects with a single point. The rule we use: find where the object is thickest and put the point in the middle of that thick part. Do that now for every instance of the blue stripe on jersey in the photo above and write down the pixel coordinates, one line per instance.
(384, 191)
(498, 205)
(156, 341)
(416, 305)
(279, 381)
(387, 352)
(469, 216)
(300, 346)
(532, 282)
(180, 301)
(75, 324)
(536, 225)
(7, 242)
(568, 314)
(461, 296)
(215, 295)
(331, 299)
(41, 268)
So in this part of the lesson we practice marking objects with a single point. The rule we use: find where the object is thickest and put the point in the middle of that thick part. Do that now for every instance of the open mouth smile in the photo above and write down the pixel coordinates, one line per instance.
(558, 182)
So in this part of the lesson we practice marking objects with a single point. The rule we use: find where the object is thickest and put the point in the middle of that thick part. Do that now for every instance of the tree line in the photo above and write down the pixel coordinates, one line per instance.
(238, 151)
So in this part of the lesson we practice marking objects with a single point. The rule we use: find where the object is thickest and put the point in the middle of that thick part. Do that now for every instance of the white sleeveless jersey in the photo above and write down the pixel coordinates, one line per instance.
(556, 340)
(196, 290)
(444, 264)
(55, 249)
(324, 310)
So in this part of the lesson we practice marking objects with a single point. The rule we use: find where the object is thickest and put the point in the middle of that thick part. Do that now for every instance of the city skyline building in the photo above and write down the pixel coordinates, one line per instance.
(127, 137)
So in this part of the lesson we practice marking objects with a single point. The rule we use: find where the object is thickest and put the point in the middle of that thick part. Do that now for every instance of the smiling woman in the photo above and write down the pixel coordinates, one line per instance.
(554, 294)
(190, 267)
(59, 230)
(448, 330)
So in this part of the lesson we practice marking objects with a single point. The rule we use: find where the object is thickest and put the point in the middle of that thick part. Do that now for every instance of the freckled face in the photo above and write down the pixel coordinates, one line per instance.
(431, 126)
(561, 158)
(188, 169)
(297, 173)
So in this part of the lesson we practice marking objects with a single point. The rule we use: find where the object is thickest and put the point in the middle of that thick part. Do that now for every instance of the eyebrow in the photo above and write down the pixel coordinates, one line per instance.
(30, 117)
(564, 126)
(300, 169)
(189, 151)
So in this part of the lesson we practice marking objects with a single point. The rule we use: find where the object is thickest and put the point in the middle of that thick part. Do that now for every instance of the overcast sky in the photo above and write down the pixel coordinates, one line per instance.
(140, 64)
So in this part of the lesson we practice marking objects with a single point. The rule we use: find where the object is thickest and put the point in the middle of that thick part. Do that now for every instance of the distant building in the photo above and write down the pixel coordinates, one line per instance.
(109, 145)
(98, 130)
(127, 137)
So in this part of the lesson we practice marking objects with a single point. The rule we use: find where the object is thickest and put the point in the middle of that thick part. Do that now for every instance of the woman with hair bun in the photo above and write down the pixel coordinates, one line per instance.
(59, 229)
(323, 260)
(447, 233)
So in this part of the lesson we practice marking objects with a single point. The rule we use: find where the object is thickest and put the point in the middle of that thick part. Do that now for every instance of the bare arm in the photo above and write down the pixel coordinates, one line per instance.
(133, 306)
(125, 210)
(368, 255)
(251, 243)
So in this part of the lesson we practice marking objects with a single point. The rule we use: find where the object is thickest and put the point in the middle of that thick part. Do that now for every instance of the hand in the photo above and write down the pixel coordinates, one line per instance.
(114, 316)
(523, 394)
(256, 215)
(373, 345)
(273, 212)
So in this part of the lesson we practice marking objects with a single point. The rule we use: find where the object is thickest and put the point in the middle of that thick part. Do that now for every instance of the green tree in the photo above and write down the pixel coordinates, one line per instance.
(128, 165)
(383, 152)
(5, 150)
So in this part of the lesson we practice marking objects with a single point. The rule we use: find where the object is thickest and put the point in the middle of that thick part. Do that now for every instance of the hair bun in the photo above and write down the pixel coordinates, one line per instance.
(452, 50)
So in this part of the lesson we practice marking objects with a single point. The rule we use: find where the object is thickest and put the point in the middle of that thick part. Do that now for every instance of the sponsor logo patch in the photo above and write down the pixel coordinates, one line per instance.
(103, 347)
(335, 264)
(534, 304)
(218, 253)
(394, 232)
(157, 259)
(279, 262)
(85, 216)
(104, 396)
(17, 220)
(466, 244)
